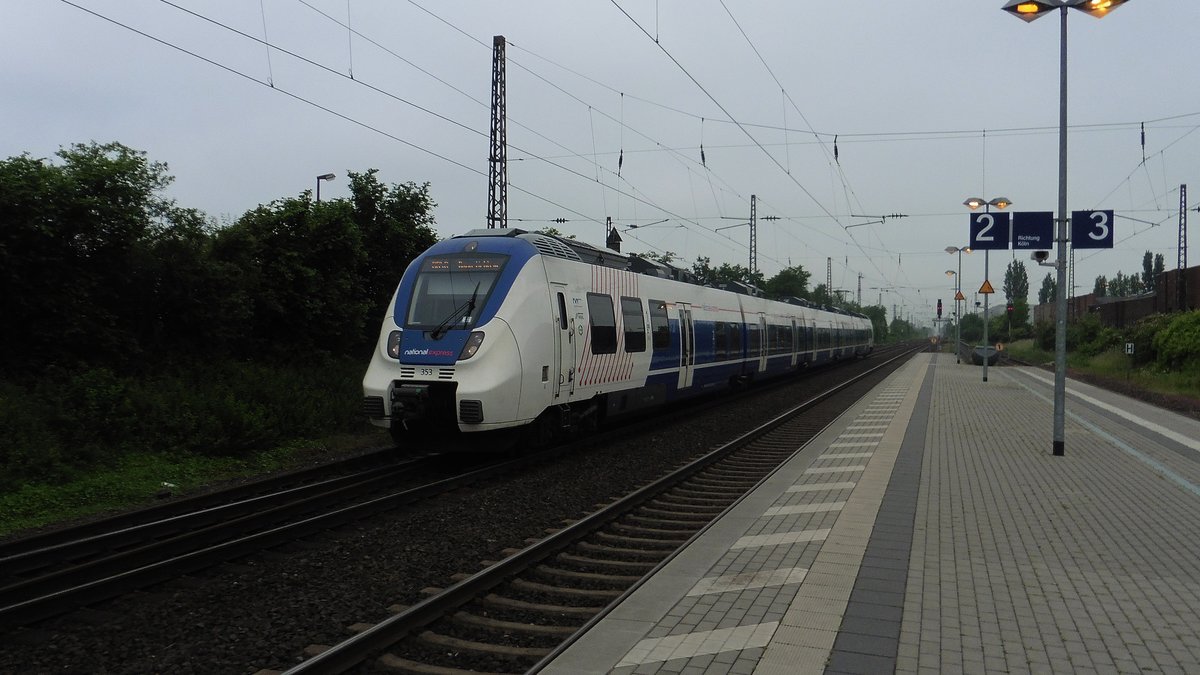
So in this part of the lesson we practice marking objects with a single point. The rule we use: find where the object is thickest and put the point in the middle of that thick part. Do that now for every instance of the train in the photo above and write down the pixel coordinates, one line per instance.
(500, 336)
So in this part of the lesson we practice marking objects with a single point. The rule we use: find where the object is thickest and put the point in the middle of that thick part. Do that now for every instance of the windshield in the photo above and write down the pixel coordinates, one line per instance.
(446, 283)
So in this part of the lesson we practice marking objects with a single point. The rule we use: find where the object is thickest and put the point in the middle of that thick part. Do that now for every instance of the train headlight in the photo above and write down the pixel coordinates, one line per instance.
(393, 344)
(472, 346)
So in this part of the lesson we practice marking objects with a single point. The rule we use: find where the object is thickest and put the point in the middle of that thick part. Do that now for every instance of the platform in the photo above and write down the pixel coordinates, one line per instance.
(931, 530)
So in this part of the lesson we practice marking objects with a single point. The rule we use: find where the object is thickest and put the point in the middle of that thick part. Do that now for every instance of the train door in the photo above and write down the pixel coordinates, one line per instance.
(687, 345)
(795, 345)
(762, 342)
(810, 341)
(564, 345)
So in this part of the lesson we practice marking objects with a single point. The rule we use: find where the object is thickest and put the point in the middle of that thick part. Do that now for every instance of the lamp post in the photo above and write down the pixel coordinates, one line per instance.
(324, 176)
(974, 203)
(1028, 10)
(958, 329)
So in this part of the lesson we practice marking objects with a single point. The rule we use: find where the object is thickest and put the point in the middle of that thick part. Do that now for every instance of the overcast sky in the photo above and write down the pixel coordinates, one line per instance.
(610, 102)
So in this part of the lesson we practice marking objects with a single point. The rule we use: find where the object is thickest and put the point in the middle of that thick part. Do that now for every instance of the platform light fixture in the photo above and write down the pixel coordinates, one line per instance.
(1028, 10)
(974, 203)
(324, 176)
(958, 290)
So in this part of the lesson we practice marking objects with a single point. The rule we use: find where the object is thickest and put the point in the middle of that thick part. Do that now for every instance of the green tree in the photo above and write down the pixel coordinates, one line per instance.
(1016, 281)
(972, 328)
(396, 225)
(1100, 289)
(73, 253)
(318, 276)
(791, 281)
(707, 275)
(1047, 293)
(1147, 272)
(822, 296)
(878, 317)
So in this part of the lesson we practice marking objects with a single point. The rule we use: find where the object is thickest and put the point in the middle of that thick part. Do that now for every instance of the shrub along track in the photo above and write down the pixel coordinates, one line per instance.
(263, 609)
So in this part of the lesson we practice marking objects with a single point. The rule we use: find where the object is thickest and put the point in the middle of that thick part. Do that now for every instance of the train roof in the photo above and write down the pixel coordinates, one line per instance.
(572, 249)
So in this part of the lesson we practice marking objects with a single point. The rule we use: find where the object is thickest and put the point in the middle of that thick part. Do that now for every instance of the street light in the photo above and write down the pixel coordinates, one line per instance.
(958, 292)
(1028, 10)
(324, 176)
(974, 203)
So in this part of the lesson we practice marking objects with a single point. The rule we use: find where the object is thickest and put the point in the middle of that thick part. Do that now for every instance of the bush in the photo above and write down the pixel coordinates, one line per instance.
(226, 408)
(1178, 345)
(1142, 336)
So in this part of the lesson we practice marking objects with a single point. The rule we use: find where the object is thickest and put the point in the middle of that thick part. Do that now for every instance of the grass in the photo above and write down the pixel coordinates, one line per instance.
(1113, 364)
(137, 480)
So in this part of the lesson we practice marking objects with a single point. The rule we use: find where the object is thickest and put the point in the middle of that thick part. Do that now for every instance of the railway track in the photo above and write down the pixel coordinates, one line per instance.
(52, 574)
(516, 613)
(47, 575)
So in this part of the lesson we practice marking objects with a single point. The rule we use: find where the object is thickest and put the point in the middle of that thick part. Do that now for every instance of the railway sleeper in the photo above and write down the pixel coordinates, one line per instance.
(401, 665)
(621, 581)
(676, 536)
(623, 552)
(680, 514)
(511, 604)
(627, 565)
(735, 473)
(673, 525)
(487, 623)
(762, 463)
(604, 594)
(719, 484)
(672, 500)
(646, 543)
(691, 492)
(448, 642)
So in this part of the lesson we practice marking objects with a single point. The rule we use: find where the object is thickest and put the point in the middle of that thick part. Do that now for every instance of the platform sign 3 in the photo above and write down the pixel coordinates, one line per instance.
(1091, 229)
(989, 231)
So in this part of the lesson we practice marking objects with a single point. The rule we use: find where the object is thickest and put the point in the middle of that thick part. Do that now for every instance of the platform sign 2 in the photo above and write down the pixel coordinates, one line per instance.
(989, 231)
(1091, 229)
(1033, 230)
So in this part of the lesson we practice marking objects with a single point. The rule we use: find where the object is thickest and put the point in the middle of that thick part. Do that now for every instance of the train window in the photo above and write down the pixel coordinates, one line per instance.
(752, 340)
(562, 312)
(603, 323)
(635, 324)
(720, 342)
(659, 329)
(783, 343)
(451, 290)
(735, 340)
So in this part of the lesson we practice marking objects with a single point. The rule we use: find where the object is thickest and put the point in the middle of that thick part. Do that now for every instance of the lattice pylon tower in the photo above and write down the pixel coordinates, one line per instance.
(1181, 265)
(753, 234)
(498, 155)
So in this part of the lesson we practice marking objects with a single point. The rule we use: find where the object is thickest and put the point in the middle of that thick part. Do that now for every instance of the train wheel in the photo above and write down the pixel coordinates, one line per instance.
(542, 432)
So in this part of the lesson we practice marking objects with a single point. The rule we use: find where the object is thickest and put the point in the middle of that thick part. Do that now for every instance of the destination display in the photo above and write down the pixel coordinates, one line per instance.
(478, 263)
(1033, 230)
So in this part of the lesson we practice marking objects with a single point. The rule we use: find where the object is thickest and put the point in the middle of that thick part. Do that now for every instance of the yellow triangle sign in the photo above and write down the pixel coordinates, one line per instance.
(959, 296)
(986, 287)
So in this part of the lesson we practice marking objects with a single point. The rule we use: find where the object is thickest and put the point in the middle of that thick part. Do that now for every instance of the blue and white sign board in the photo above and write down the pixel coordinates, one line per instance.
(1091, 229)
(989, 231)
(1033, 230)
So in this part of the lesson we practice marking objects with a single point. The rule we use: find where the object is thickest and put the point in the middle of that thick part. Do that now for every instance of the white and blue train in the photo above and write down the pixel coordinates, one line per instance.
(501, 331)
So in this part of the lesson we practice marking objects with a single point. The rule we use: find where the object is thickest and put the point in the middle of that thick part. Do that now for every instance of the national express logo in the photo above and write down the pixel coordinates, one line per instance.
(428, 352)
